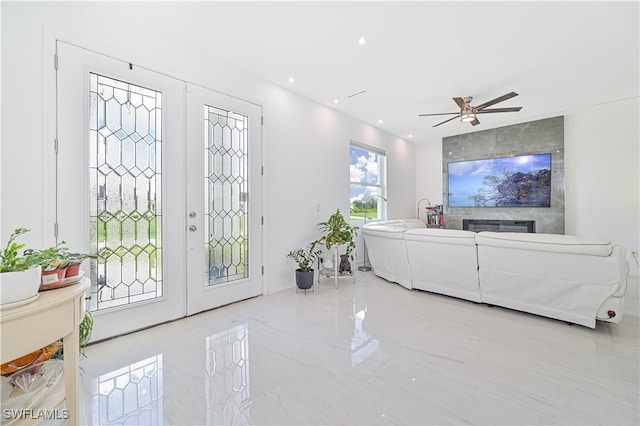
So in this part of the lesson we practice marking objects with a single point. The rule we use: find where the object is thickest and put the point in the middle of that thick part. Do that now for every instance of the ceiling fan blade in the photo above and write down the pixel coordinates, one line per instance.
(439, 113)
(510, 109)
(461, 103)
(475, 121)
(446, 121)
(496, 100)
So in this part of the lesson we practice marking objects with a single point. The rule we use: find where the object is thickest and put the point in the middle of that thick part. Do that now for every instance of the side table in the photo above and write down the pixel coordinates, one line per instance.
(53, 315)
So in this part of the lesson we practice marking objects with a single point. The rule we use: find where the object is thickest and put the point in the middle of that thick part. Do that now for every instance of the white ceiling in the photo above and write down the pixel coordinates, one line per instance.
(558, 56)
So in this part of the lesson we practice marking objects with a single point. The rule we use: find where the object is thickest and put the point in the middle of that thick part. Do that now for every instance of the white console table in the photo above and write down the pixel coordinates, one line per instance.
(53, 315)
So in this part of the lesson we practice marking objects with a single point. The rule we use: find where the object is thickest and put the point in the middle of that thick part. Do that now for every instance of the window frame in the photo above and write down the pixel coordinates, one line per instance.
(379, 188)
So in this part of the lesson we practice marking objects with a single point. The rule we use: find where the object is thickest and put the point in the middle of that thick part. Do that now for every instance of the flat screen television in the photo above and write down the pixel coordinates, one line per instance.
(518, 181)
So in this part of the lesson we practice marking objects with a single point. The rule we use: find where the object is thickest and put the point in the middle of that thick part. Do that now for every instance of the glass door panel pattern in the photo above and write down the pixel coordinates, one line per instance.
(226, 196)
(125, 135)
(131, 395)
(227, 386)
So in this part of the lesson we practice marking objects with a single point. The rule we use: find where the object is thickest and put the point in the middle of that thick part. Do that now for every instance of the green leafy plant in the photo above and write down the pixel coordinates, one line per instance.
(86, 326)
(85, 330)
(51, 258)
(306, 256)
(338, 231)
(11, 261)
(76, 258)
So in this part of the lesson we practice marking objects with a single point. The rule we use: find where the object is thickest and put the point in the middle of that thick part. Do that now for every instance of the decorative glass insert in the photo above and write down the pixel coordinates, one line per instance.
(131, 395)
(125, 135)
(227, 385)
(226, 196)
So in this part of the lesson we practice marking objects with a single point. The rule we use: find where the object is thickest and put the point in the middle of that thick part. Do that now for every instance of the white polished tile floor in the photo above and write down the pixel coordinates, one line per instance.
(366, 353)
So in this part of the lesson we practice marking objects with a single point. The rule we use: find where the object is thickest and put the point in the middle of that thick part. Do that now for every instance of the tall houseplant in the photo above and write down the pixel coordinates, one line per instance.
(304, 258)
(337, 231)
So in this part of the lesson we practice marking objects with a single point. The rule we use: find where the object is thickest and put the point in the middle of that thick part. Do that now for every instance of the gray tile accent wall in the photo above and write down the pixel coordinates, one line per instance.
(534, 137)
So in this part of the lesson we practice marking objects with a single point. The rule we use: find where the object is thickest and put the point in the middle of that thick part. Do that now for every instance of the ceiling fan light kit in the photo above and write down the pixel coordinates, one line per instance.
(468, 113)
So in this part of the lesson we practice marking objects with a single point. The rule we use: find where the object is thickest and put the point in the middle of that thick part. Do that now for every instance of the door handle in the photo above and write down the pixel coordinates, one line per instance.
(192, 228)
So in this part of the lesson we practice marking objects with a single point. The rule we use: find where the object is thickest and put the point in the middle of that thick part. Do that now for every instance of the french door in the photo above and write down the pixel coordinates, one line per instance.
(141, 185)
(223, 201)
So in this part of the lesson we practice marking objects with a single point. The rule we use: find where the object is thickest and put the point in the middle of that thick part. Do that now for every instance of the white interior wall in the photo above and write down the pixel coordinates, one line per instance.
(306, 145)
(602, 158)
(602, 177)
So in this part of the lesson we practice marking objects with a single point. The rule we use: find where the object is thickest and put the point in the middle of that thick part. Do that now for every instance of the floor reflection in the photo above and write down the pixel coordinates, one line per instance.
(371, 353)
(227, 384)
(131, 395)
(363, 344)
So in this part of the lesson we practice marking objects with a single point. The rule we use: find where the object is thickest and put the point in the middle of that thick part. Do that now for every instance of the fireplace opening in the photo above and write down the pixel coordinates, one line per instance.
(495, 225)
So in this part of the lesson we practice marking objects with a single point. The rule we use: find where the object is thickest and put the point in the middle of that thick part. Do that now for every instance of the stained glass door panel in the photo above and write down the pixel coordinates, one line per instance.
(125, 175)
(225, 195)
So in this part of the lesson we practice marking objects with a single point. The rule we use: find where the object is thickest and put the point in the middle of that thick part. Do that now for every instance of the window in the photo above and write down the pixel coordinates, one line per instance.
(367, 166)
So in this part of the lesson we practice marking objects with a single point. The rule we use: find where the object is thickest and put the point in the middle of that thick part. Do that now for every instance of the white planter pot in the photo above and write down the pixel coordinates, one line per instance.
(19, 286)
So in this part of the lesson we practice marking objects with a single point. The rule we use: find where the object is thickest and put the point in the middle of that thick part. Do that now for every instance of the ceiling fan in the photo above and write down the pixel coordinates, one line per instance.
(468, 113)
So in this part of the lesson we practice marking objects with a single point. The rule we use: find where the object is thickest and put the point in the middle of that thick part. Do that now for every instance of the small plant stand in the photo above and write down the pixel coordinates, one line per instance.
(333, 272)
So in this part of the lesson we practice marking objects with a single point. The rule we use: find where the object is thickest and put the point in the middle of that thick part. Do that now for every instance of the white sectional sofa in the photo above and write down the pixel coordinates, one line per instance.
(574, 279)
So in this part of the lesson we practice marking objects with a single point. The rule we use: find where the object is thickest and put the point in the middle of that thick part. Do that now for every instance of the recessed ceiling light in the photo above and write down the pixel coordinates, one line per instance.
(410, 135)
(362, 40)
(380, 121)
(290, 79)
(335, 101)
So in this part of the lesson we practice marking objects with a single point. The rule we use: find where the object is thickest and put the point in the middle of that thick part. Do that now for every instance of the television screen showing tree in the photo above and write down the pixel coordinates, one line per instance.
(520, 181)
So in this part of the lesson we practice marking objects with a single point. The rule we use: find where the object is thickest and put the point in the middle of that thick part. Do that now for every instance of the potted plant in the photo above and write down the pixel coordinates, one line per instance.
(53, 261)
(337, 231)
(19, 274)
(75, 260)
(305, 258)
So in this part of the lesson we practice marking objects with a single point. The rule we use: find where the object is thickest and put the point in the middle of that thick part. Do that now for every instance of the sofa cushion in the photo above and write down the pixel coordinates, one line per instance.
(442, 236)
(546, 242)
